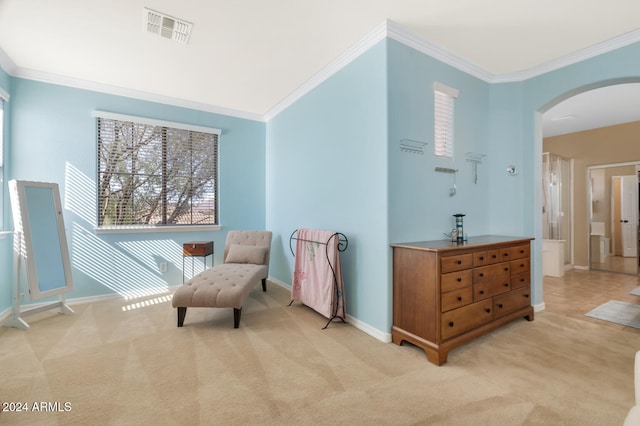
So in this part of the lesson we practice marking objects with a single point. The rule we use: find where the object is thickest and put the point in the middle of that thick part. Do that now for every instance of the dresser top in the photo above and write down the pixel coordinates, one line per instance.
(472, 242)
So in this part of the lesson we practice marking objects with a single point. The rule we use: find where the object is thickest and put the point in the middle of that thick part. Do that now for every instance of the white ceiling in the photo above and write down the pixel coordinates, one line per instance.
(596, 108)
(248, 56)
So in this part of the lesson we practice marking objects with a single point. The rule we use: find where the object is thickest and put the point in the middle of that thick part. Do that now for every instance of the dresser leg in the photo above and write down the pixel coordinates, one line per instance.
(436, 357)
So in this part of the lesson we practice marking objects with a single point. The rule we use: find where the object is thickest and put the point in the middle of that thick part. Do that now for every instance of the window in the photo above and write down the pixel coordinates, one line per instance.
(444, 102)
(155, 173)
(3, 97)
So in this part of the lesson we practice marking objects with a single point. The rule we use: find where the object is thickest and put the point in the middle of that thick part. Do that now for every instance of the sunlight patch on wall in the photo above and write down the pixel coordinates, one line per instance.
(112, 268)
(80, 194)
(153, 252)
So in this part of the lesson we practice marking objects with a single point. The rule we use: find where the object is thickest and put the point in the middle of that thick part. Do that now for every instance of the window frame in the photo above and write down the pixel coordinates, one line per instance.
(444, 98)
(141, 228)
(4, 99)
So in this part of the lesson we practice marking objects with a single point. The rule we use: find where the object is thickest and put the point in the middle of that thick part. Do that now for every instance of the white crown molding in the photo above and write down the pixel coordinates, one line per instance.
(400, 34)
(388, 29)
(379, 33)
(571, 58)
(130, 93)
(396, 32)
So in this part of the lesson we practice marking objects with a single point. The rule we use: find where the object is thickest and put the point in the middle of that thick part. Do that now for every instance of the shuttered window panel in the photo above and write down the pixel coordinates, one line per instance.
(444, 112)
(151, 174)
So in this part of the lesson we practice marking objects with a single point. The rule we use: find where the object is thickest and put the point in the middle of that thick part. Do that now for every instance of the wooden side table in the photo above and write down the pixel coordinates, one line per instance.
(195, 249)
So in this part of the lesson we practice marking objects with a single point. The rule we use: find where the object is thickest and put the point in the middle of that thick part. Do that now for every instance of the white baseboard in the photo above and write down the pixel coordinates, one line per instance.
(280, 283)
(5, 314)
(362, 326)
(581, 268)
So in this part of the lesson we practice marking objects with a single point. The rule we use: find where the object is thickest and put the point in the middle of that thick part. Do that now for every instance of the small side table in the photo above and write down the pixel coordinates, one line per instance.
(197, 249)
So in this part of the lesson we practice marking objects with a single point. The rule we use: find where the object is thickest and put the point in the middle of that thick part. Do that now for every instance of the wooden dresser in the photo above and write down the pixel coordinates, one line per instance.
(446, 294)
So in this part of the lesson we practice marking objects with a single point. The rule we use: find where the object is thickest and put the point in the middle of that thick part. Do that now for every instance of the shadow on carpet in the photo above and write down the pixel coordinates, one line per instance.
(617, 312)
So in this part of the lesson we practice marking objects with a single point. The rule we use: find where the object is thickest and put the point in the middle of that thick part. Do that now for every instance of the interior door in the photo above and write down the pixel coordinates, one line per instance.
(629, 215)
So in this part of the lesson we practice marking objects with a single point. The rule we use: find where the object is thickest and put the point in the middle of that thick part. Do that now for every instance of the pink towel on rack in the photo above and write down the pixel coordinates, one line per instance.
(314, 282)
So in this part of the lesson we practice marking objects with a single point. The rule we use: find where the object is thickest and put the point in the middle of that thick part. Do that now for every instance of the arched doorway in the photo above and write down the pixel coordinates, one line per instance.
(589, 129)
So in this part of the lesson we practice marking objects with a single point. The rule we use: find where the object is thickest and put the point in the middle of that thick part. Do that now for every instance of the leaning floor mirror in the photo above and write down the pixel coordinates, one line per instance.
(42, 268)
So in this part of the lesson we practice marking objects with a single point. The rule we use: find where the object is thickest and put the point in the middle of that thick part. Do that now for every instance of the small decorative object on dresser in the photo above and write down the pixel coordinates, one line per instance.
(447, 293)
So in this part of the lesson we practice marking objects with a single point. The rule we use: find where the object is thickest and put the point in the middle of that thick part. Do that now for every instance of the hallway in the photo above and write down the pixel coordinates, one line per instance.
(578, 292)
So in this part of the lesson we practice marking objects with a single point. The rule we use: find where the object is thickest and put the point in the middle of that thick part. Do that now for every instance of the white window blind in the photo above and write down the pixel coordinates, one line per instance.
(152, 173)
(1, 136)
(444, 111)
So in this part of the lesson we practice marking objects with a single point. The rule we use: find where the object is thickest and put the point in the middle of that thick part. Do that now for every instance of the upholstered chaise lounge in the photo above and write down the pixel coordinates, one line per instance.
(246, 262)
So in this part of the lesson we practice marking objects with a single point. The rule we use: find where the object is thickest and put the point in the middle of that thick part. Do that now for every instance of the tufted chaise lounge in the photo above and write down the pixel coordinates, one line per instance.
(246, 262)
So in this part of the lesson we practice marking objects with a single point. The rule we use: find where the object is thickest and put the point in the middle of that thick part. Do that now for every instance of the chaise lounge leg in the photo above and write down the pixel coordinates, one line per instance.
(182, 312)
(236, 317)
(264, 284)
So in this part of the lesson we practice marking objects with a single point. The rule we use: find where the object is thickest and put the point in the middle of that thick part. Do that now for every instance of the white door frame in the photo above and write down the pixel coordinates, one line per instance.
(603, 166)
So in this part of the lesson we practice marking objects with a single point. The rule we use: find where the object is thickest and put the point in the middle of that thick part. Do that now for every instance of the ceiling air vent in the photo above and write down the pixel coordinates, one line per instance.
(167, 26)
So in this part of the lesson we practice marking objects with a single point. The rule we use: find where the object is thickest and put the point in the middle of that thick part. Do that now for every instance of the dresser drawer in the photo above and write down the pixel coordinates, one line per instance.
(490, 289)
(456, 263)
(455, 280)
(488, 257)
(505, 254)
(519, 252)
(512, 301)
(466, 318)
(519, 266)
(520, 280)
(492, 273)
(456, 298)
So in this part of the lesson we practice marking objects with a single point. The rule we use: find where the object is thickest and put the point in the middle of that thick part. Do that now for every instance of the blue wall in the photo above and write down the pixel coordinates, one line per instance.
(537, 96)
(6, 252)
(327, 169)
(332, 161)
(420, 207)
(53, 139)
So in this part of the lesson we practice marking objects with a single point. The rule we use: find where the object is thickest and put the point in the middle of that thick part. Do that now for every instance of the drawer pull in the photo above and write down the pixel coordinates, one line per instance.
(522, 280)
(506, 269)
(500, 306)
(459, 262)
(506, 284)
(488, 310)
(521, 251)
(522, 265)
(481, 274)
(505, 254)
(481, 257)
(459, 298)
(459, 279)
(481, 291)
(494, 256)
(526, 295)
(450, 323)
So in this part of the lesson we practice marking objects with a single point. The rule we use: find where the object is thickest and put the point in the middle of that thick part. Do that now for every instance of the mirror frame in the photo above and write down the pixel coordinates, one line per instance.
(23, 238)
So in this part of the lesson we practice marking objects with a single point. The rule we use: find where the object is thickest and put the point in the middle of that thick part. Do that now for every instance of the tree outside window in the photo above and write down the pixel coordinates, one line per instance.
(156, 175)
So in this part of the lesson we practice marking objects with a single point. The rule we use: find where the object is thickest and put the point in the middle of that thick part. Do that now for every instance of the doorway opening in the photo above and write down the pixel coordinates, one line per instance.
(614, 217)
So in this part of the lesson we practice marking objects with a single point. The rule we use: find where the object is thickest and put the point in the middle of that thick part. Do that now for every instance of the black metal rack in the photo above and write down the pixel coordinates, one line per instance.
(342, 245)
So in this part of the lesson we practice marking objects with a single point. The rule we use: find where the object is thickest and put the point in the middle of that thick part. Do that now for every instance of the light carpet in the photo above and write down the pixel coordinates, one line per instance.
(624, 313)
(123, 362)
